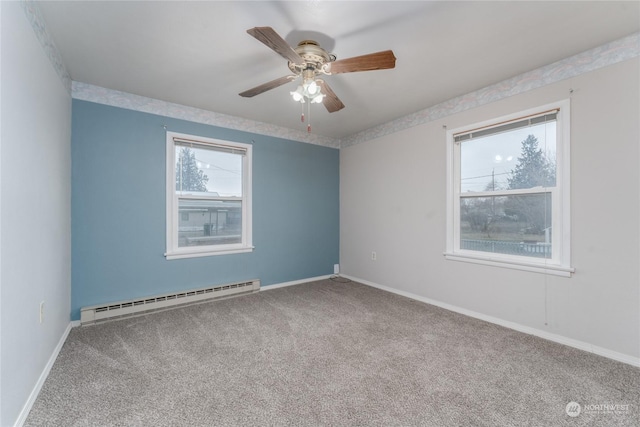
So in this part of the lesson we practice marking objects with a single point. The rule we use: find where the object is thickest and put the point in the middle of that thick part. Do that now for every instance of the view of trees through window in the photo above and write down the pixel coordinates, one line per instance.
(506, 183)
(188, 176)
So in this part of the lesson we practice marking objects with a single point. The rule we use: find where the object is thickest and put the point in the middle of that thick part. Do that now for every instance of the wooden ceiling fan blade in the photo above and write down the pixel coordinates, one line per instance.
(373, 61)
(269, 37)
(331, 101)
(267, 86)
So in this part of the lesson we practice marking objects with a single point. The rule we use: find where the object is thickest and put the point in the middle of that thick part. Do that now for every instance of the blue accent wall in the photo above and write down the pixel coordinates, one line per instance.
(118, 209)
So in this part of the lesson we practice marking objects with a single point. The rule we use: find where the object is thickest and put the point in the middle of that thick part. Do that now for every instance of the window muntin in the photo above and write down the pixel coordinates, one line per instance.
(208, 196)
(508, 190)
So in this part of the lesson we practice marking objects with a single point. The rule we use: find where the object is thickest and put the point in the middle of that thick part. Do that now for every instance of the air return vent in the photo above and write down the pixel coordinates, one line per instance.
(93, 314)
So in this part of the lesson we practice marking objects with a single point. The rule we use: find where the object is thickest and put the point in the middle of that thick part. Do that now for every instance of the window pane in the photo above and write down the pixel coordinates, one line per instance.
(521, 158)
(209, 222)
(199, 170)
(516, 225)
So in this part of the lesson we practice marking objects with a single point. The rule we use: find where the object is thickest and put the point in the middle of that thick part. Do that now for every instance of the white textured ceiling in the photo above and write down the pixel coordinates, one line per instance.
(198, 54)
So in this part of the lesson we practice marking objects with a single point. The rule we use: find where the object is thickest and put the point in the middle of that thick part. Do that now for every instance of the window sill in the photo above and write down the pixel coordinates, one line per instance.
(523, 265)
(208, 252)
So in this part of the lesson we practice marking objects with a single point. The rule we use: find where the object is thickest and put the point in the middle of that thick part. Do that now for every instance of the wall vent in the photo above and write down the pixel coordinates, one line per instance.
(93, 314)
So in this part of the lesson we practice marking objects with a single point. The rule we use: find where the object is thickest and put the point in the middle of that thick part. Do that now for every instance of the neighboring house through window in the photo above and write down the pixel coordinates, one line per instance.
(508, 191)
(208, 196)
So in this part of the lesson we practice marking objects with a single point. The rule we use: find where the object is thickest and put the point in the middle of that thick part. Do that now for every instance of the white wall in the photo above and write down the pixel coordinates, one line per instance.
(35, 215)
(393, 202)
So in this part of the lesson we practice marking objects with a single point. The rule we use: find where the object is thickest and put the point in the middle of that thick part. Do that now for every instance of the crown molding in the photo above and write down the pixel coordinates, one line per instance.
(129, 101)
(34, 16)
(591, 60)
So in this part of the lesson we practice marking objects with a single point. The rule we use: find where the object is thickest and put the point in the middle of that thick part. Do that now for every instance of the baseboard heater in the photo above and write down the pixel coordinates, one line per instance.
(96, 313)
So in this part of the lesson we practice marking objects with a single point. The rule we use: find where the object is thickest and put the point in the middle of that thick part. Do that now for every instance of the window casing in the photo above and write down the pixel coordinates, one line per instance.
(508, 191)
(208, 193)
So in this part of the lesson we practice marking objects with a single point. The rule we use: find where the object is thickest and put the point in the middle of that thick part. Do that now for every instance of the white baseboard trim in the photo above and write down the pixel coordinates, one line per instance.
(560, 339)
(294, 282)
(22, 417)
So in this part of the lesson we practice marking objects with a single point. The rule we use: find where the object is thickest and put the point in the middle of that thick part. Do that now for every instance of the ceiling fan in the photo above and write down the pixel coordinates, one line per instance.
(310, 61)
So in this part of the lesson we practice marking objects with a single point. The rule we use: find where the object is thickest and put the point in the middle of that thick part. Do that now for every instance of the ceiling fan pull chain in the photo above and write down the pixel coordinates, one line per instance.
(302, 112)
(309, 115)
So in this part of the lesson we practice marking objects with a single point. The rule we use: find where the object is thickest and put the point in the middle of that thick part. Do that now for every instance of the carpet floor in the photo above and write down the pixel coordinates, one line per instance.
(326, 354)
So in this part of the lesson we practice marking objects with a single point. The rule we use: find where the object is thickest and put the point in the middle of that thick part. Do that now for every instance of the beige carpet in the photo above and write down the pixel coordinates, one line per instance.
(326, 354)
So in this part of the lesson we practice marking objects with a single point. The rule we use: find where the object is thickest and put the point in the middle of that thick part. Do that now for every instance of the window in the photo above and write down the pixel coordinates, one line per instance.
(208, 196)
(508, 191)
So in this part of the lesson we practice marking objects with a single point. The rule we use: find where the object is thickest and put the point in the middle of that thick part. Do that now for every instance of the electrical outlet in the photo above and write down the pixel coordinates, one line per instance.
(41, 311)
(336, 268)
(374, 256)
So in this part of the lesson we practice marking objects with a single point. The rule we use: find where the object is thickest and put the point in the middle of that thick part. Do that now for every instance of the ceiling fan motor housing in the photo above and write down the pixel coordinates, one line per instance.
(314, 57)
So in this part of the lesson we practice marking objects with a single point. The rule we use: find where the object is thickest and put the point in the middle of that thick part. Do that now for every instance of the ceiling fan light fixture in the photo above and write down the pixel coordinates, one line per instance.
(309, 91)
(318, 98)
(311, 87)
(298, 94)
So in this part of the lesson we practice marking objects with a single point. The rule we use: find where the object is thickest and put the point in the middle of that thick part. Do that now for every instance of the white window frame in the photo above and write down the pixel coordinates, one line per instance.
(560, 262)
(172, 199)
